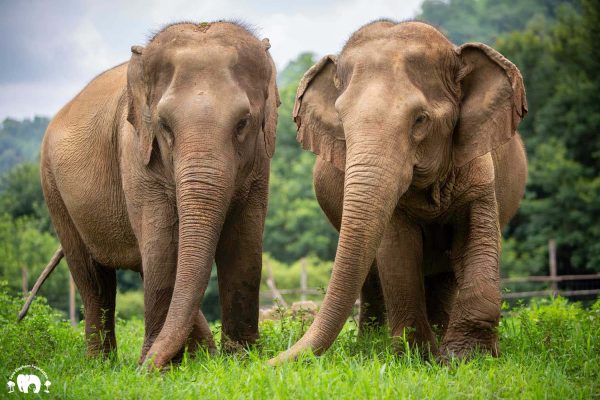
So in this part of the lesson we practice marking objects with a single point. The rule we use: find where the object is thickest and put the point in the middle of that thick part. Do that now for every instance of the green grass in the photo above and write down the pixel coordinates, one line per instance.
(549, 350)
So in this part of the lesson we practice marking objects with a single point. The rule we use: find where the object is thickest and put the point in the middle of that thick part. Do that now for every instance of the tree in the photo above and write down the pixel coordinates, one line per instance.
(23, 245)
(295, 224)
(554, 44)
(20, 141)
(559, 61)
(21, 194)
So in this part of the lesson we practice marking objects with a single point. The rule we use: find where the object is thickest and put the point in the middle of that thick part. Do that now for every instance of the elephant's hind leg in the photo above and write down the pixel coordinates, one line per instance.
(440, 292)
(239, 265)
(400, 263)
(97, 287)
(440, 282)
(372, 303)
(97, 284)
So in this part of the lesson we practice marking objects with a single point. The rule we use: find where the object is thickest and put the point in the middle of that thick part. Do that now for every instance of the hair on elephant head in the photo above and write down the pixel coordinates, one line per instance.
(397, 110)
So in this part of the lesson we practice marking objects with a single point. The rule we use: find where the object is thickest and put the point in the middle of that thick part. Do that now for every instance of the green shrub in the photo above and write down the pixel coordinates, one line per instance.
(130, 304)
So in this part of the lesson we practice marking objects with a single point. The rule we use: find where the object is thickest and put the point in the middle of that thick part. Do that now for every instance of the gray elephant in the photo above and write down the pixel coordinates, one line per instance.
(419, 167)
(161, 165)
(26, 380)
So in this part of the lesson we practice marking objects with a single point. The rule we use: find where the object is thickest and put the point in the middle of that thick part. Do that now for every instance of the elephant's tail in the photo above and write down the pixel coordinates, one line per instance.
(40, 281)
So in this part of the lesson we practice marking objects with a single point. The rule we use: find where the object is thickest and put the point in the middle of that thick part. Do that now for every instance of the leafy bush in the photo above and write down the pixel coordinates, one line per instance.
(130, 304)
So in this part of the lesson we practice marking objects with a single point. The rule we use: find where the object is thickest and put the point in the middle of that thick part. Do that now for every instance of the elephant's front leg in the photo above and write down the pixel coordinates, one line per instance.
(475, 257)
(239, 264)
(158, 245)
(400, 260)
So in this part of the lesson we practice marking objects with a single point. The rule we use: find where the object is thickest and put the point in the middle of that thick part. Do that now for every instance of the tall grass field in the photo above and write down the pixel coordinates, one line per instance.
(550, 350)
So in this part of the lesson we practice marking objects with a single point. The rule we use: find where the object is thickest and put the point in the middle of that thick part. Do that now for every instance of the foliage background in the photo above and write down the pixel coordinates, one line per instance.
(555, 45)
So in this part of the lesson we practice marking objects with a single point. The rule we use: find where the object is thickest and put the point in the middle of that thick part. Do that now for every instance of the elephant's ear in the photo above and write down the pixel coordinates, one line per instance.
(270, 118)
(138, 113)
(319, 128)
(493, 102)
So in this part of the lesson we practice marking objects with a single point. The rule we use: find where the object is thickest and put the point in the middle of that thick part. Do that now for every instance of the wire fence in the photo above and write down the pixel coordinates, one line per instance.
(556, 285)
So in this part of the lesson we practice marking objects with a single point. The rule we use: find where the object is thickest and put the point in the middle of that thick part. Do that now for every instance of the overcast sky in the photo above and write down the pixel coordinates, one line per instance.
(49, 49)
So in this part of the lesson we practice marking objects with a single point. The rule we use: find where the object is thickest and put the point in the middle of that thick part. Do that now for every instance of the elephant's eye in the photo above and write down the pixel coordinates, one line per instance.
(421, 118)
(242, 124)
(165, 126)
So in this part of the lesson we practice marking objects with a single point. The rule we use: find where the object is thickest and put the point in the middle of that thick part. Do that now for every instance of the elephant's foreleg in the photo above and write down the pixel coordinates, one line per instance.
(239, 264)
(399, 259)
(475, 257)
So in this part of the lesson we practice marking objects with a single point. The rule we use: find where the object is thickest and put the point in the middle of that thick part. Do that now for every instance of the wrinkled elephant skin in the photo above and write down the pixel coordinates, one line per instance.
(152, 168)
(419, 167)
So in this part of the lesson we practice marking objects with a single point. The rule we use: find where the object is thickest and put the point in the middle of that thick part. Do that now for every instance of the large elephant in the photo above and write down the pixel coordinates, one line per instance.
(161, 165)
(419, 167)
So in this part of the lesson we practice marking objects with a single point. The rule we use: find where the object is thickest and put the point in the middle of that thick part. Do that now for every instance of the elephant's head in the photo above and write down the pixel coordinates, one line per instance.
(203, 102)
(397, 110)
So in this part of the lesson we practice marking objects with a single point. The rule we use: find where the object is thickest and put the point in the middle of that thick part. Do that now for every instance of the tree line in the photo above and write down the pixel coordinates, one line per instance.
(554, 44)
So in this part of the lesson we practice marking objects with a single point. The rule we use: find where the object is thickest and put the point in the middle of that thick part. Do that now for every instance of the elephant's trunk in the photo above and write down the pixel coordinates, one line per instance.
(374, 180)
(203, 190)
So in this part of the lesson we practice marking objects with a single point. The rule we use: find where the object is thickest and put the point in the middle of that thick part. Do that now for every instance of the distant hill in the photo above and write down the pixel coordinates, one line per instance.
(20, 141)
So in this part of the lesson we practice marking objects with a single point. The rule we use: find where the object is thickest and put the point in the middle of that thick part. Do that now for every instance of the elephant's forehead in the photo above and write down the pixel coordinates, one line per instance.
(193, 54)
(393, 52)
(202, 57)
(401, 64)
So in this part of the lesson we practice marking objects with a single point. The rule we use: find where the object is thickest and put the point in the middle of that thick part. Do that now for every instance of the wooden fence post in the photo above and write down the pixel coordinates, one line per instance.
(72, 314)
(553, 269)
(24, 279)
(271, 283)
(303, 279)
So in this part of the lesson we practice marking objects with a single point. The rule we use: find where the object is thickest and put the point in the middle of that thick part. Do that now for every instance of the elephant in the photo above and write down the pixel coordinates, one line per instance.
(419, 166)
(160, 165)
(26, 380)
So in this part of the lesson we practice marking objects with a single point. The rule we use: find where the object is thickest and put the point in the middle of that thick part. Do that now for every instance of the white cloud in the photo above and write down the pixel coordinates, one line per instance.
(90, 48)
(25, 100)
(69, 43)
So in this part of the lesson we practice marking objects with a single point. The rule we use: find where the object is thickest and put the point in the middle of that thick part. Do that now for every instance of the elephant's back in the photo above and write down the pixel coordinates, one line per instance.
(510, 165)
(90, 106)
(80, 161)
(90, 116)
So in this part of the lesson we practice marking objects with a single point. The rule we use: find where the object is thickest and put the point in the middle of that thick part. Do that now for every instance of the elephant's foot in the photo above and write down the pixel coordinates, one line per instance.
(420, 339)
(101, 344)
(465, 345)
(236, 345)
